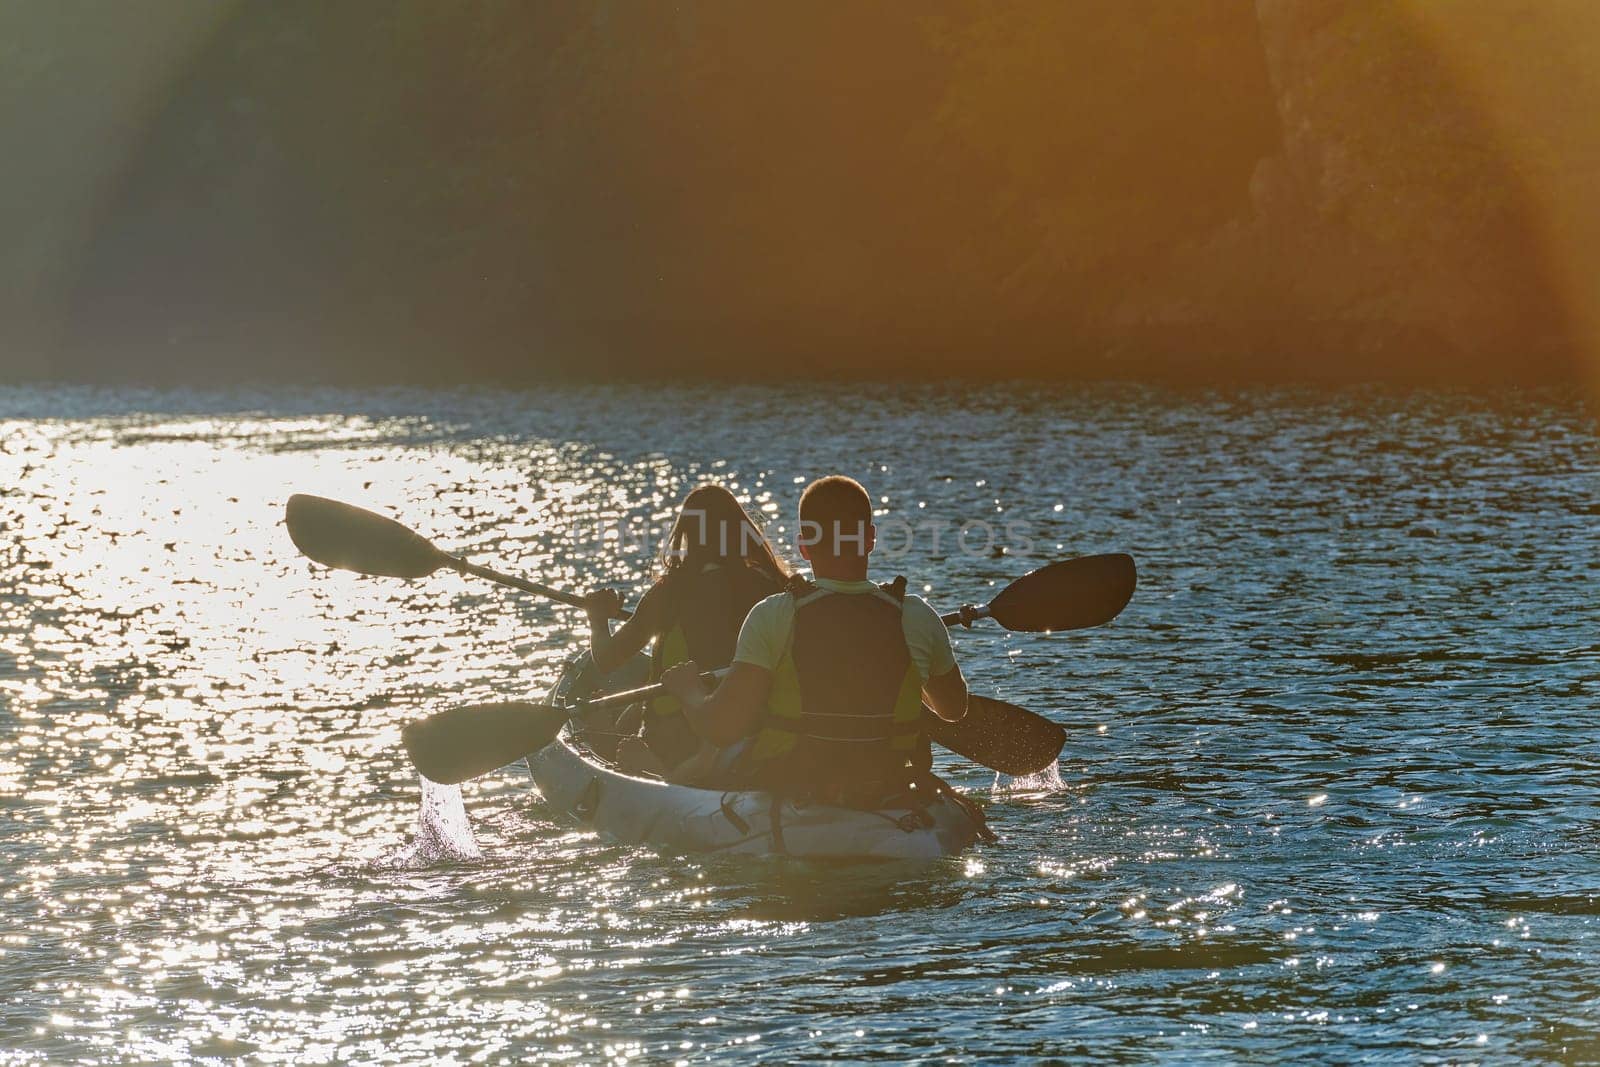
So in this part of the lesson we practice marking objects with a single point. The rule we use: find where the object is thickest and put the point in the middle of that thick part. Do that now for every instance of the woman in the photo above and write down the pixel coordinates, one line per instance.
(715, 566)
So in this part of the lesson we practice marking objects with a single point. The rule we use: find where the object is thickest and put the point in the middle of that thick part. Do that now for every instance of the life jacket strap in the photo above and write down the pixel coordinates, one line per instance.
(799, 586)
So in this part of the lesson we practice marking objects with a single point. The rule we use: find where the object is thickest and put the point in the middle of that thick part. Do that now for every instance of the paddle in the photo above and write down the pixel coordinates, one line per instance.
(452, 746)
(1070, 595)
(1000, 736)
(461, 743)
(354, 539)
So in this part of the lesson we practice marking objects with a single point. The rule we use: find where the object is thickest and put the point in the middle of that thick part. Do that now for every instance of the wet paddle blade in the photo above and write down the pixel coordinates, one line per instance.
(1001, 736)
(1070, 595)
(452, 746)
(354, 539)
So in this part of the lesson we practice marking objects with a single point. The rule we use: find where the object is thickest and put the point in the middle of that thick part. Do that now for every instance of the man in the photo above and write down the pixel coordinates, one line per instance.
(829, 677)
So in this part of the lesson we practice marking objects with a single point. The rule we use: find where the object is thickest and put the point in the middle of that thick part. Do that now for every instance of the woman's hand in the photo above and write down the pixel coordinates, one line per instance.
(603, 604)
(682, 680)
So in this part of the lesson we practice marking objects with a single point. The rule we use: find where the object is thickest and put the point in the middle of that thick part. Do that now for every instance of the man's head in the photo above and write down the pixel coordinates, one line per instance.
(836, 531)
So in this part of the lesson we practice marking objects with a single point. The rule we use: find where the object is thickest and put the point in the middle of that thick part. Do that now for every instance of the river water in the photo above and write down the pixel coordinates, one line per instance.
(1330, 789)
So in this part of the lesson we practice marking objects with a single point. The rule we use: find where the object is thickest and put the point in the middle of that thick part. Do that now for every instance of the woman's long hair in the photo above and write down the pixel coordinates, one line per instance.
(713, 528)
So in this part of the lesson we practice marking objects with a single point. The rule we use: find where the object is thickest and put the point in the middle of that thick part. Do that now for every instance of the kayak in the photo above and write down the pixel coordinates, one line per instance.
(681, 818)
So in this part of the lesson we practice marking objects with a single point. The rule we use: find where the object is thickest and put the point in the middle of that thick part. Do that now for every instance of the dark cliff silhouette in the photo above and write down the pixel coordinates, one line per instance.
(1322, 189)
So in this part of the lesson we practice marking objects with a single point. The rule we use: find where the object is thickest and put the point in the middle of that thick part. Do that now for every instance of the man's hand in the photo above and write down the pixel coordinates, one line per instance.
(682, 680)
(602, 604)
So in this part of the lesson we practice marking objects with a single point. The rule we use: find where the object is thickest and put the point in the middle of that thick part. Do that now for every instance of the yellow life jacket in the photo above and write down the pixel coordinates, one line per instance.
(701, 621)
(845, 709)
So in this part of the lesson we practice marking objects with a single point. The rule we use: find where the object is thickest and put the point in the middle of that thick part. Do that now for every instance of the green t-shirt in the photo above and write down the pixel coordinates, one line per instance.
(765, 634)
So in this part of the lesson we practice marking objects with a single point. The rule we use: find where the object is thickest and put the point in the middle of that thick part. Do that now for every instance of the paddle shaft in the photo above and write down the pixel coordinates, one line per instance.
(645, 692)
(523, 584)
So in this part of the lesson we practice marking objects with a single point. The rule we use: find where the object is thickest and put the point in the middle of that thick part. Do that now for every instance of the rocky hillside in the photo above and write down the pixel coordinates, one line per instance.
(1327, 189)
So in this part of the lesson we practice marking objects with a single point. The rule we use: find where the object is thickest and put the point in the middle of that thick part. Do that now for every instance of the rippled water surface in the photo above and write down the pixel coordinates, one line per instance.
(1330, 786)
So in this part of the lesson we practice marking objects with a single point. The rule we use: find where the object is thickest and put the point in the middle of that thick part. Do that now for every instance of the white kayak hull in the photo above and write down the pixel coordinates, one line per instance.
(679, 818)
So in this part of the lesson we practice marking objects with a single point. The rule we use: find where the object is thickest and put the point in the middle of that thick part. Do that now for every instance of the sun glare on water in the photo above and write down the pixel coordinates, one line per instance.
(216, 847)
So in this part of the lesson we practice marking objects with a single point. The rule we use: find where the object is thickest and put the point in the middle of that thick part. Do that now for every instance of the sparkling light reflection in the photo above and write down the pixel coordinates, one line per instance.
(213, 846)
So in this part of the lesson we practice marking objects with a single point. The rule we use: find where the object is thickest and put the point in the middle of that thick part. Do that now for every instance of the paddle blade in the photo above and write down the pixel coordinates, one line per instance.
(1001, 736)
(355, 539)
(1070, 595)
(461, 743)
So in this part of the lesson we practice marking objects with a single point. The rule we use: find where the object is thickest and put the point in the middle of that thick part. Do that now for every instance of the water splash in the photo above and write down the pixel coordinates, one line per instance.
(444, 833)
(1040, 782)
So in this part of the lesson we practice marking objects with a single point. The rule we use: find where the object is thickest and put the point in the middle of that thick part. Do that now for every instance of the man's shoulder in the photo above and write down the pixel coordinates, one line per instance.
(765, 632)
(919, 609)
(781, 601)
(921, 618)
(774, 610)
